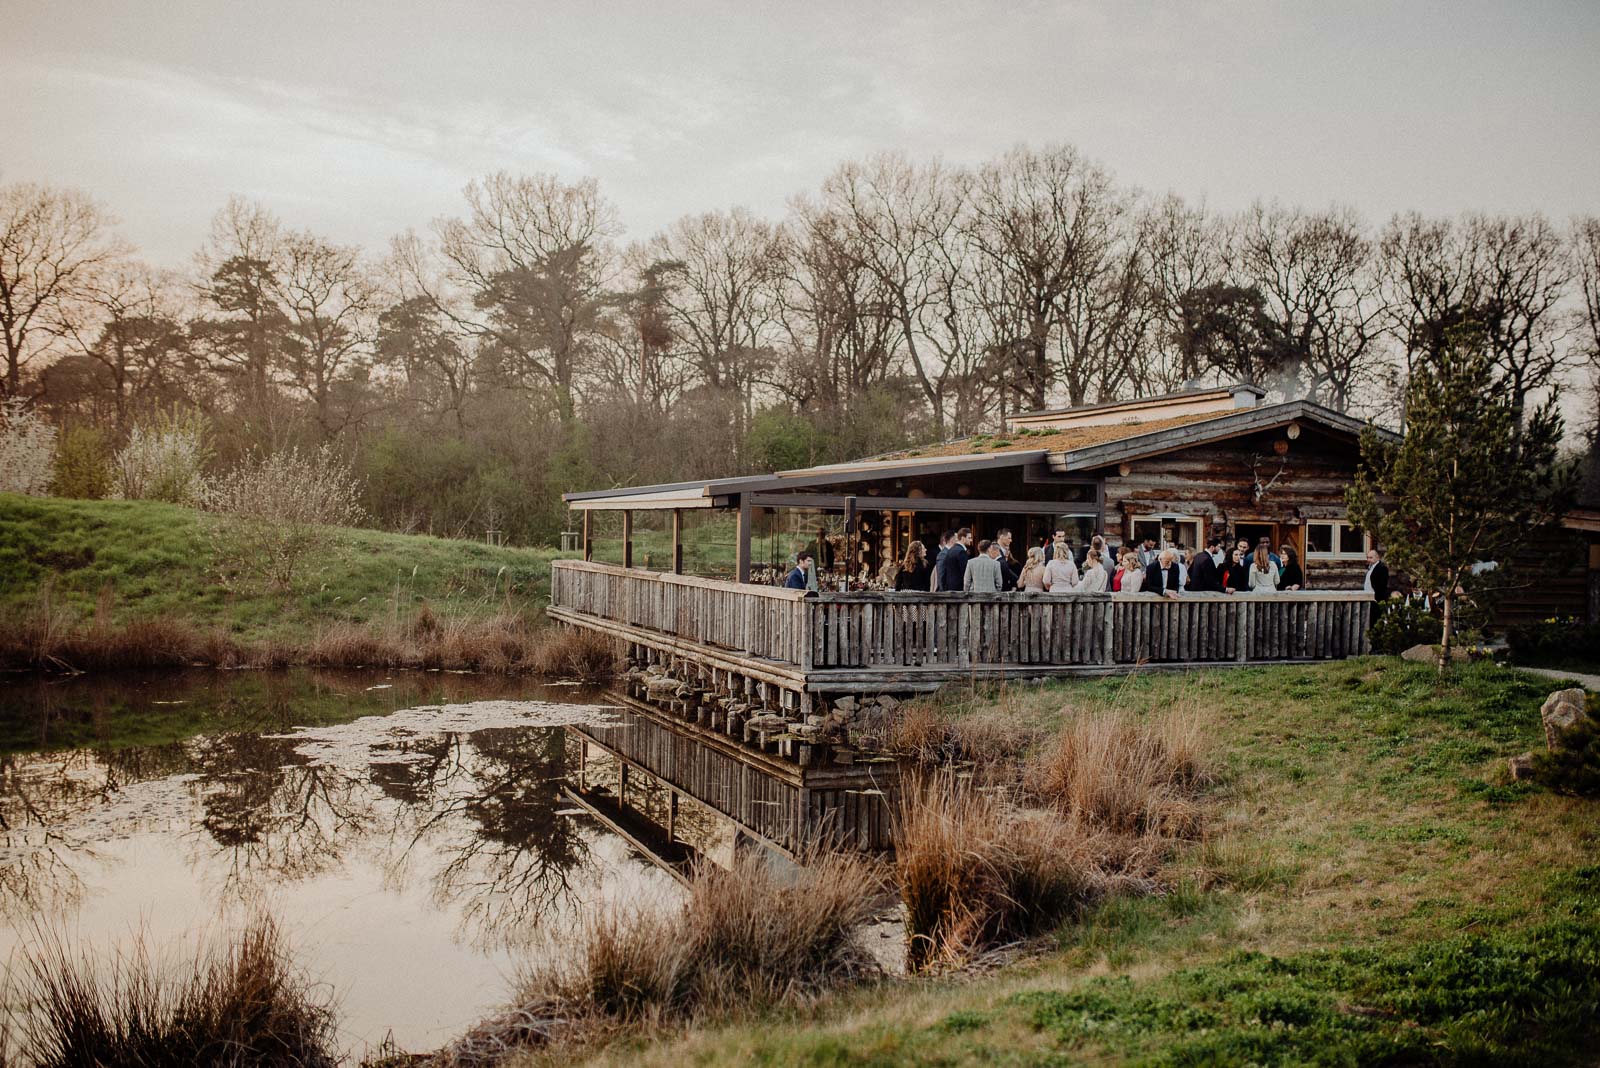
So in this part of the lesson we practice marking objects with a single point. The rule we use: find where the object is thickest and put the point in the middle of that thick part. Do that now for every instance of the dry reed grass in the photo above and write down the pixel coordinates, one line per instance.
(1038, 827)
(49, 637)
(236, 1005)
(1126, 774)
(745, 939)
(976, 870)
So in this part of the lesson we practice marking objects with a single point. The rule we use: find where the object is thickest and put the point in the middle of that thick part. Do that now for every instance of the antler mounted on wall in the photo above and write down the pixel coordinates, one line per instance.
(1261, 489)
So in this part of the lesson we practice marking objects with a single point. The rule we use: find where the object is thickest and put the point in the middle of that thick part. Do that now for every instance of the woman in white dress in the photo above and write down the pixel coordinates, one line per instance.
(1094, 576)
(1061, 573)
(1132, 574)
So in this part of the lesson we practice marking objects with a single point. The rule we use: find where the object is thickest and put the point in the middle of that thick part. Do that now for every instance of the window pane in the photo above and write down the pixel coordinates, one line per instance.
(1350, 540)
(1319, 537)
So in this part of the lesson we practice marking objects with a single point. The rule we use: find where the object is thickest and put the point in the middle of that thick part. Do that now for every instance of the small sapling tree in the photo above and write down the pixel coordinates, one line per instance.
(275, 513)
(1469, 483)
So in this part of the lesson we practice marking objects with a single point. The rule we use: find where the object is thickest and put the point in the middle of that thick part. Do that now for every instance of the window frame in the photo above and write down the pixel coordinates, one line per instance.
(1198, 524)
(1336, 538)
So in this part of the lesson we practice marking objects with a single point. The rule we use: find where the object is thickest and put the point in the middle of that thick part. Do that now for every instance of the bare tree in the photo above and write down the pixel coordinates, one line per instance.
(1047, 223)
(719, 275)
(534, 254)
(330, 301)
(51, 244)
(1187, 253)
(1316, 271)
(1585, 253)
(905, 224)
(1505, 275)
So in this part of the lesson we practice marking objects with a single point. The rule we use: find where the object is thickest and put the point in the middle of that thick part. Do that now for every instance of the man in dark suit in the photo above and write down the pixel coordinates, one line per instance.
(1162, 575)
(1377, 580)
(953, 564)
(1050, 546)
(1009, 569)
(1203, 574)
(802, 571)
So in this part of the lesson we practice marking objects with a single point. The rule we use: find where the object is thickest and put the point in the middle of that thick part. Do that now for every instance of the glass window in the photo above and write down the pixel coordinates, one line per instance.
(1335, 540)
(1319, 538)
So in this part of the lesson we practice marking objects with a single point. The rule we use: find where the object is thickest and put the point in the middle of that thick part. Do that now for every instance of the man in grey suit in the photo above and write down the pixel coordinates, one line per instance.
(983, 570)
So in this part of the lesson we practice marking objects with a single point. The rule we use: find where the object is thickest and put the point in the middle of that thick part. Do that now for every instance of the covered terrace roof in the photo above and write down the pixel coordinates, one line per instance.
(1072, 449)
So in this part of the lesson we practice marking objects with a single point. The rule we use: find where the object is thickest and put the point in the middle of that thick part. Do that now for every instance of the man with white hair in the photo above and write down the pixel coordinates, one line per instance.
(1163, 576)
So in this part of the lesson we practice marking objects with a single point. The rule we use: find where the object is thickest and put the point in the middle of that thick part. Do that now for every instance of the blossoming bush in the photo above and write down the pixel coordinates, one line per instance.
(275, 513)
(164, 462)
(27, 449)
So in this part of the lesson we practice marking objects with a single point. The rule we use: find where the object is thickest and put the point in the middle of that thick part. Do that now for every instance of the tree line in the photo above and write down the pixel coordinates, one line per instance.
(478, 367)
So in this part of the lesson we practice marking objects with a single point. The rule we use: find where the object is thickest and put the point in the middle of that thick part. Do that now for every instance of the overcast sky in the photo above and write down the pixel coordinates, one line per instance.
(360, 119)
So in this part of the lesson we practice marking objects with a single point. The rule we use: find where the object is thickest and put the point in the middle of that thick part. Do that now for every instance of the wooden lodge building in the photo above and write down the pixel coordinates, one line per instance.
(1174, 467)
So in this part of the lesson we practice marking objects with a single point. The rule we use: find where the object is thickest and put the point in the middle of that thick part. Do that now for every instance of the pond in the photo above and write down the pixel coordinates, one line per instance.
(418, 836)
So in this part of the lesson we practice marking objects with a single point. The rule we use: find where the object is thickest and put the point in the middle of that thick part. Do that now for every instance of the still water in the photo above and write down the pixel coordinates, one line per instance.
(413, 833)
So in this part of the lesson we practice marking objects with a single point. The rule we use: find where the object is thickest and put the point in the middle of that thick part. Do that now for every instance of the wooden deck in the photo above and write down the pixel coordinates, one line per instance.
(798, 643)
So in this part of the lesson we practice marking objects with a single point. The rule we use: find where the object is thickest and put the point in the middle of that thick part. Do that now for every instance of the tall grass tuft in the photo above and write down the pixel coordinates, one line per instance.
(1127, 774)
(238, 1005)
(976, 870)
(745, 939)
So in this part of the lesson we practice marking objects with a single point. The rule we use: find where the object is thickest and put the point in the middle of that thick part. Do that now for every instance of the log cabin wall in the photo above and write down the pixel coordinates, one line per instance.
(1216, 483)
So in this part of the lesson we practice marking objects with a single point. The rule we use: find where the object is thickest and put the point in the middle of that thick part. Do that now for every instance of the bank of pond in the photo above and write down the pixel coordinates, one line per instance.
(483, 868)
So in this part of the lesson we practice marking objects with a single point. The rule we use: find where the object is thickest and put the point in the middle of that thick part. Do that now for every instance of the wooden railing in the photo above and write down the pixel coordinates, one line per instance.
(966, 630)
(760, 620)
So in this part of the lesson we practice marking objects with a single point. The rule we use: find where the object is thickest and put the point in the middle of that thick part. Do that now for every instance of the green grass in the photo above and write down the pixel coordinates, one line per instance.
(155, 560)
(1373, 890)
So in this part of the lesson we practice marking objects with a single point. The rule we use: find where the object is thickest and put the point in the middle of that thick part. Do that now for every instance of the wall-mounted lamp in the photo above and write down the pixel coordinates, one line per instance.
(1124, 470)
(1292, 431)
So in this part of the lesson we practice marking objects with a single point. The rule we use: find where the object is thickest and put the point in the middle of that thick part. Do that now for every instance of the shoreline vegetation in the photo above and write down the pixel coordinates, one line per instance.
(1307, 864)
(108, 585)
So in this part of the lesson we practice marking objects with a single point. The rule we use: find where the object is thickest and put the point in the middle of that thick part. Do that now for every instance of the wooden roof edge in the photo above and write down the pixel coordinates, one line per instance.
(1223, 425)
(1229, 389)
(801, 477)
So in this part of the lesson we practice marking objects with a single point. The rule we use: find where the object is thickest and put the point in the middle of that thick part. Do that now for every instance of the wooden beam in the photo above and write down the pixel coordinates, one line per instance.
(742, 560)
(588, 542)
(1086, 509)
(677, 541)
(627, 537)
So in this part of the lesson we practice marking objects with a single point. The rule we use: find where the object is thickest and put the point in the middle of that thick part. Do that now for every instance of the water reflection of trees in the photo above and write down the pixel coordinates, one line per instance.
(489, 806)
(273, 815)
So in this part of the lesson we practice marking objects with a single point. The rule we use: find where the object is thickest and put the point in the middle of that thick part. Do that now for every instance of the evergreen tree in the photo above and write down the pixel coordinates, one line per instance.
(1466, 484)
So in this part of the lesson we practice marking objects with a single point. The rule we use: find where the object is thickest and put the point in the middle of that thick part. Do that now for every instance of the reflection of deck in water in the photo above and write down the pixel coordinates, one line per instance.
(767, 798)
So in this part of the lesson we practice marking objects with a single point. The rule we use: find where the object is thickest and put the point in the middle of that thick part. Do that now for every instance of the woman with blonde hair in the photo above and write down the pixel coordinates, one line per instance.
(1132, 573)
(1094, 576)
(1061, 573)
(1032, 579)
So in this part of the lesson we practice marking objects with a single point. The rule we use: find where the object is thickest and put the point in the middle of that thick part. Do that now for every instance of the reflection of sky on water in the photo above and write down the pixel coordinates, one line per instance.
(412, 866)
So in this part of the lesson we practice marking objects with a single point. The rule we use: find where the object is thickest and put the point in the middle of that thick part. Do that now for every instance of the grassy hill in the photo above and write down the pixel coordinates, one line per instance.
(147, 560)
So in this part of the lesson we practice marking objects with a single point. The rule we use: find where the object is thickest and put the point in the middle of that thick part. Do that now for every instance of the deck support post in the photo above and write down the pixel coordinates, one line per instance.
(627, 537)
(588, 541)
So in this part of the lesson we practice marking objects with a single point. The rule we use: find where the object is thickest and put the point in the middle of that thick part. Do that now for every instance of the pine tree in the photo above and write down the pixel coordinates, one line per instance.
(1468, 483)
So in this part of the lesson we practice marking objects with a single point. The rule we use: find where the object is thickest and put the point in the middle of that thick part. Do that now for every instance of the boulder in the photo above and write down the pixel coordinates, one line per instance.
(1522, 766)
(1561, 710)
(1429, 654)
(887, 703)
(845, 704)
(766, 722)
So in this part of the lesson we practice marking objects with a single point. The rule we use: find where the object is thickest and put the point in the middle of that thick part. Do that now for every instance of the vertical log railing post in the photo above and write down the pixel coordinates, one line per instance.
(742, 559)
(677, 541)
(627, 537)
(1108, 654)
(1246, 619)
(588, 541)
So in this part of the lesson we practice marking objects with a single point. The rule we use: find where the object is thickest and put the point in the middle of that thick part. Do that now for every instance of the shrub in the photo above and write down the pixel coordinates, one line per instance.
(82, 465)
(575, 653)
(164, 461)
(1554, 642)
(1573, 767)
(276, 512)
(27, 449)
(1398, 626)
(240, 1005)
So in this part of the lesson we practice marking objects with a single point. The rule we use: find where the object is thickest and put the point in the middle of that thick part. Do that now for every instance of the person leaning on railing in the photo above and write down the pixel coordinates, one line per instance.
(983, 570)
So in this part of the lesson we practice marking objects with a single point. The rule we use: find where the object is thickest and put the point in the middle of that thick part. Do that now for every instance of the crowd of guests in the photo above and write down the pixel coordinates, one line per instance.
(992, 566)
